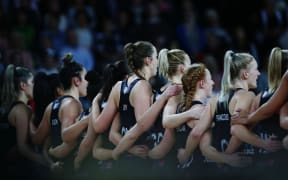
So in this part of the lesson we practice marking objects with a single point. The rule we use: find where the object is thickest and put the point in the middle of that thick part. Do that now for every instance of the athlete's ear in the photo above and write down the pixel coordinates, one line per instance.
(22, 85)
(244, 75)
(202, 83)
(181, 68)
(76, 81)
(147, 60)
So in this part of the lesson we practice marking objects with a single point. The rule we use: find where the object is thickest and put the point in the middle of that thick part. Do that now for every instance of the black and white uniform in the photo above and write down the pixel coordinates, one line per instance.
(221, 131)
(129, 164)
(55, 124)
(266, 129)
(126, 110)
(196, 161)
(156, 134)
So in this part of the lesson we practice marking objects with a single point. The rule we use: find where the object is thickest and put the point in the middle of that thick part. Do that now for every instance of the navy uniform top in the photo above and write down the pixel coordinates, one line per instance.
(55, 123)
(268, 127)
(221, 131)
(126, 110)
(156, 132)
(182, 132)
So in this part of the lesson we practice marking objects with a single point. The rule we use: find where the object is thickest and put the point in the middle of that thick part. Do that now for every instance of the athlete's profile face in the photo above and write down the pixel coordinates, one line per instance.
(154, 62)
(253, 74)
(28, 87)
(209, 82)
(83, 84)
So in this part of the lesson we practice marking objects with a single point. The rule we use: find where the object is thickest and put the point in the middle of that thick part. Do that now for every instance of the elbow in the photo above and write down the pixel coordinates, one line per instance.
(112, 138)
(166, 124)
(235, 130)
(196, 133)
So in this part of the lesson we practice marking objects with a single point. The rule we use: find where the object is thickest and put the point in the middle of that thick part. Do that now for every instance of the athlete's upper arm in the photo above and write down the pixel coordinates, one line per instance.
(244, 101)
(140, 98)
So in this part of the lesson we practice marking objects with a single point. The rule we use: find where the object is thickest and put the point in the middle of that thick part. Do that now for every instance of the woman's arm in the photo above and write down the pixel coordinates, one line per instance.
(22, 117)
(284, 116)
(211, 153)
(146, 121)
(87, 142)
(114, 134)
(62, 150)
(267, 109)
(242, 133)
(115, 137)
(54, 166)
(196, 133)
(38, 135)
(175, 120)
(99, 152)
(105, 118)
(69, 113)
(161, 150)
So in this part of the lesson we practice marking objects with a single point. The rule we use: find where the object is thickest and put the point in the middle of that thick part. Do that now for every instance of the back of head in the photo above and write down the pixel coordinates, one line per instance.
(233, 64)
(13, 76)
(43, 93)
(113, 73)
(69, 70)
(169, 61)
(135, 53)
(190, 79)
(277, 66)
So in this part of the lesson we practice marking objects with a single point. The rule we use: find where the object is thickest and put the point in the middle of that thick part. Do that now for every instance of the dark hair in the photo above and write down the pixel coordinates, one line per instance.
(44, 92)
(135, 54)
(113, 73)
(69, 70)
(95, 81)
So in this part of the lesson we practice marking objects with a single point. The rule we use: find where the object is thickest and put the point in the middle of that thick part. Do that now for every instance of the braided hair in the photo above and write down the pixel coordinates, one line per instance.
(190, 78)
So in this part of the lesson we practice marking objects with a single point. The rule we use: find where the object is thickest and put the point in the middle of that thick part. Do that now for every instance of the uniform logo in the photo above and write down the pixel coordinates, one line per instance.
(124, 130)
(54, 122)
(125, 107)
(156, 138)
(222, 117)
(181, 128)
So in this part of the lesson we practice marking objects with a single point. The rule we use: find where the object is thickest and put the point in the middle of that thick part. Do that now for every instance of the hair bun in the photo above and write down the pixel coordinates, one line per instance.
(67, 59)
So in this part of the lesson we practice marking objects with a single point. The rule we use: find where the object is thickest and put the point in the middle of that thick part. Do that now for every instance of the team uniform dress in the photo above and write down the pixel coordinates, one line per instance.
(160, 167)
(266, 129)
(221, 132)
(56, 138)
(195, 164)
(129, 164)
